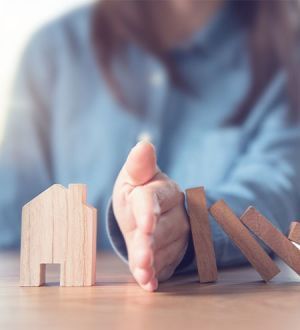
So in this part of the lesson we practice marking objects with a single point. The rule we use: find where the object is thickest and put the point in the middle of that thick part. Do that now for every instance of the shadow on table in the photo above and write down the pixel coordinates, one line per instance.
(243, 279)
(223, 288)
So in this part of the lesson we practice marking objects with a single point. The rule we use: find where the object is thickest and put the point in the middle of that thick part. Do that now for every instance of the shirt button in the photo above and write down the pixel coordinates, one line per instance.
(156, 78)
(144, 136)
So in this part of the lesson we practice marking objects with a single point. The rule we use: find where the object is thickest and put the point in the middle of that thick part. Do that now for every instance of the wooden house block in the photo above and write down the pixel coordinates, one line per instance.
(242, 238)
(58, 227)
(272, 237)
(201, 233)
(294, 234)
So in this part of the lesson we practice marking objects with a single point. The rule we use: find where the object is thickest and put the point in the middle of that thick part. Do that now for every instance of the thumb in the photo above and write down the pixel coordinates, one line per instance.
(140, 166)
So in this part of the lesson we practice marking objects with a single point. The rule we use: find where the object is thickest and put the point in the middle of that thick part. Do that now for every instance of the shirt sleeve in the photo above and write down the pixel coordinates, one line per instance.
(265, 174)
(25, 166)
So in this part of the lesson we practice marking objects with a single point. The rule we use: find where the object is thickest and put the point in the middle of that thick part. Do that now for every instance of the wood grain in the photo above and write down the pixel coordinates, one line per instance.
(294, 232)
(237, 301)
(202, 236)
(272, 237)
(242, 238)
(58, 227)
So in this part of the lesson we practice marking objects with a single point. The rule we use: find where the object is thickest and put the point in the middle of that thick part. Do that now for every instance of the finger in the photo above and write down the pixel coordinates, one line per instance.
(153, 199)
(170, 227)
(140, 250)
(145, 209)
(140, 166)
(140, 254)
(140, 257)
(166, 273)
(151, 286)
(170, 255)
(143, 276)
(167, 192)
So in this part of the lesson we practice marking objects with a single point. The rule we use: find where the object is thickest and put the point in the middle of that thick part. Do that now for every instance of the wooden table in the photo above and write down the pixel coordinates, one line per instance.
(239, 300)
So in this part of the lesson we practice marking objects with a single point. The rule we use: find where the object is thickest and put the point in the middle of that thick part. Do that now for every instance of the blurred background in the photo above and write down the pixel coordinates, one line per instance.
(18, 20)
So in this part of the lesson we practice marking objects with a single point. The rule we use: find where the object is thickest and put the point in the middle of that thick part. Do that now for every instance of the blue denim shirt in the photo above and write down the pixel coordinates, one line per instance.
(66, 127)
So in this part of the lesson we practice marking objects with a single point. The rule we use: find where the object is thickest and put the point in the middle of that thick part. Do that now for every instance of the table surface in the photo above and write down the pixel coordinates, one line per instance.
(239, 300)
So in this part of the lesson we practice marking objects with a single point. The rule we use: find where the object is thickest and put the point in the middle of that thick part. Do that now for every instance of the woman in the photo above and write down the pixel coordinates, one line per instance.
(214, 84)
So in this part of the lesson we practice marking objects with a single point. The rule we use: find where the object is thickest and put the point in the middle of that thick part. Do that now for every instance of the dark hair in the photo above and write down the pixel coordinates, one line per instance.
(273, 34)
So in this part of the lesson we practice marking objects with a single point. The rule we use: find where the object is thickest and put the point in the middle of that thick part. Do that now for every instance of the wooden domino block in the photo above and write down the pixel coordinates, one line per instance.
(201, 233)
(242, 238)
(294, 233)
(58, 227)
(272, 237)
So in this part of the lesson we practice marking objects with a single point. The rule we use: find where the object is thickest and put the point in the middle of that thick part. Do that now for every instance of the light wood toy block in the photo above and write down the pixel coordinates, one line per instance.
(242, 238)
(58, 227)
(201, 233)
(294, 233)
(272, 237)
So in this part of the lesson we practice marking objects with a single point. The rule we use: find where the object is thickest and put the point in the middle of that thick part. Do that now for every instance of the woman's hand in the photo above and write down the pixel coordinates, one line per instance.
(149, 208)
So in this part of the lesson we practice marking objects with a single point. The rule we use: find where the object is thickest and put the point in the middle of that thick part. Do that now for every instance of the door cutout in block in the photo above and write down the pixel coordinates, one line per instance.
(52, 272)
